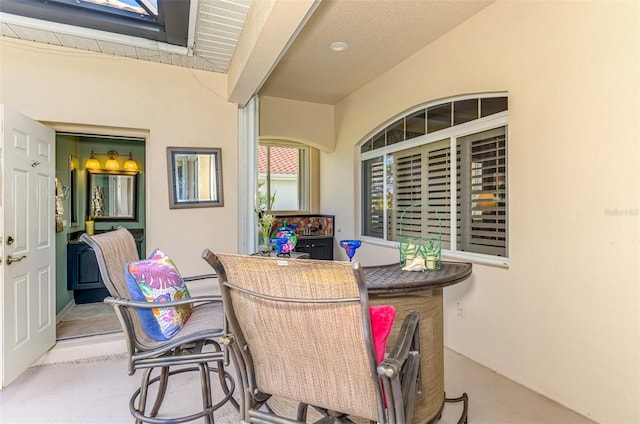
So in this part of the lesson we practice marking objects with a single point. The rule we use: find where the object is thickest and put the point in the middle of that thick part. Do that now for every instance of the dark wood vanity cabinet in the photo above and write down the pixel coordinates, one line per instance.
(317, 248)
(83, 275)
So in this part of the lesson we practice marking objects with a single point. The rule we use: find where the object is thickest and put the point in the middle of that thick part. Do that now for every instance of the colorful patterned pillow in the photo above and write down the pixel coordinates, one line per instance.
(157, 279)
(382, 318)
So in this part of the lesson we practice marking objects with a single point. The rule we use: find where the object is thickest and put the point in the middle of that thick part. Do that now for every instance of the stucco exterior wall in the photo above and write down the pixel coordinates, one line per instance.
(304, 122)
(564, 317)
(175, 106)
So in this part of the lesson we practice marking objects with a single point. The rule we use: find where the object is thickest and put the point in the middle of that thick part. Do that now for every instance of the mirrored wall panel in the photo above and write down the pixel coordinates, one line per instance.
(113, 195)
(195, 177)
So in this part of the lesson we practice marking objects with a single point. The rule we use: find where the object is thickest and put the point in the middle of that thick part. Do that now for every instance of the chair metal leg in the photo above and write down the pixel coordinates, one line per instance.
(144, 389)
(465, 406)
(205, 386)
(162, 389)
(208, 409)
(222, 377)
(302, 412)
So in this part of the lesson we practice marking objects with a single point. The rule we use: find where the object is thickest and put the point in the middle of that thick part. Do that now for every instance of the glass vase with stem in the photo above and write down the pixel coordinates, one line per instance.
(350, 247)
(265, 222)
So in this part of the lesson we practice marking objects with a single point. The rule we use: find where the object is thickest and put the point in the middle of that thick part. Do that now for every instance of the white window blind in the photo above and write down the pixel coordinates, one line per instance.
(407, 177)
(445, 181)
(483, 160)
(439, 191)
(373, 197)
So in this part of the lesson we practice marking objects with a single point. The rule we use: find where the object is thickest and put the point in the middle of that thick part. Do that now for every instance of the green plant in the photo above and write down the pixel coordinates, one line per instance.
(264, 203)
(263, 215)
(266, 223)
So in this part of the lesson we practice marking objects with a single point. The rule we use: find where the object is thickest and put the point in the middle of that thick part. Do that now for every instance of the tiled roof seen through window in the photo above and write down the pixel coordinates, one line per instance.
(284, 160)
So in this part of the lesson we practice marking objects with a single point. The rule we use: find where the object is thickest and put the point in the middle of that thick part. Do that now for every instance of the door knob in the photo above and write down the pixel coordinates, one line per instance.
(11, 260)
(10, 240)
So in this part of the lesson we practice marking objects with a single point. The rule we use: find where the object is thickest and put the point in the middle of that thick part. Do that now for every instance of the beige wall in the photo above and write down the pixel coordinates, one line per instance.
(304, 122)
(176, 106)
(564, 318)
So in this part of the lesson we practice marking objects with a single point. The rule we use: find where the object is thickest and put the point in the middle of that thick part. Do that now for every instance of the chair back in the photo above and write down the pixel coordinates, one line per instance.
(114, 249)
(303, 330)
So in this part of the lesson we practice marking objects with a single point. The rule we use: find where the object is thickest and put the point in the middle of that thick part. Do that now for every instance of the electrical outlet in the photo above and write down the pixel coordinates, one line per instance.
(460, 309)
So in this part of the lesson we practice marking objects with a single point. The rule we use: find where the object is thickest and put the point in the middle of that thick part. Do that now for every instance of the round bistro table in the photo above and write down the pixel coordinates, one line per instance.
(420, 291)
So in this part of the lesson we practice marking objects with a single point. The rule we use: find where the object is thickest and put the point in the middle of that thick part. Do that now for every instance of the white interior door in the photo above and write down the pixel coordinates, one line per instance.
(28, 274)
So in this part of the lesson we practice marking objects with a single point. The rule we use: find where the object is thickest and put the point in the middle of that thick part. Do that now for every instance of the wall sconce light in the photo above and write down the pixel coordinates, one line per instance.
(130, 164)
(92, 162)
(112, 163)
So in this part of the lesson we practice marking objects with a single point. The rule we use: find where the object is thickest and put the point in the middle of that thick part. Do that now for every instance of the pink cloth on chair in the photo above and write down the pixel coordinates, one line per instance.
(382, 318)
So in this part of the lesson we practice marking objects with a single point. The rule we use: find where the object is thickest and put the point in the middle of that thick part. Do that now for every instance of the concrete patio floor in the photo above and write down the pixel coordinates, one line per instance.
(97, 390)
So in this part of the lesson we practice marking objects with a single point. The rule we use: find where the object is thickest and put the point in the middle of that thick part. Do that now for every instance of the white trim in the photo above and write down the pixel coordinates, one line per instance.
(295, 34)
(248, 118)
(91, 33)
(460, 130)
(191, 36)
(476, 258)
(453, 180)
(427, 105)
(98, 347)
(447, 255)
(67, 308)
(303, 176)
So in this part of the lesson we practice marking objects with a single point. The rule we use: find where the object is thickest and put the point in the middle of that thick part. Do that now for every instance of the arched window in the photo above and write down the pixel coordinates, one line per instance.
(451, 156)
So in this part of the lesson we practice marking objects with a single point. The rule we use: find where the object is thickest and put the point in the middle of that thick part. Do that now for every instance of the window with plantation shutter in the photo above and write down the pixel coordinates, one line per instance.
(407, 190)
(484, 161)
(373, 197)
(438, 196)
(410, 189)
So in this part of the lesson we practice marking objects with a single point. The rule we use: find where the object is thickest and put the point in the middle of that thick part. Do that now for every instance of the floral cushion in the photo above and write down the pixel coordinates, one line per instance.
(157, 279)
(382, 318)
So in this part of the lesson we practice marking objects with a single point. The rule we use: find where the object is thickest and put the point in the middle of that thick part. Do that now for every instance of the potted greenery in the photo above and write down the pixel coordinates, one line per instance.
(265, 220)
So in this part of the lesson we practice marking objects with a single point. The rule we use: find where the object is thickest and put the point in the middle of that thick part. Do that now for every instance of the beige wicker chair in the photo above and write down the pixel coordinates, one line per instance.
(192, 349)
(301, 331)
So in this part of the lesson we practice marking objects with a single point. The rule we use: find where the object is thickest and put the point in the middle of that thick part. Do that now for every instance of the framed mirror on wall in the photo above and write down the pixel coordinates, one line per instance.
(195, 177)
(112, 195)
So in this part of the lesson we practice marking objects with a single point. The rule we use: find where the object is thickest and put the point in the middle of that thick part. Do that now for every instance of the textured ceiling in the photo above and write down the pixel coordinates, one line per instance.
(380, 34)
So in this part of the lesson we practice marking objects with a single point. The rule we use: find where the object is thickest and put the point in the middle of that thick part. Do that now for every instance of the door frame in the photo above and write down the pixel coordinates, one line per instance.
(101, 131)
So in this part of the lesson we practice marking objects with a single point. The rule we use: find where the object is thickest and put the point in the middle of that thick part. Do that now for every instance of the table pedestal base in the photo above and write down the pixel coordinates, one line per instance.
(428, 302)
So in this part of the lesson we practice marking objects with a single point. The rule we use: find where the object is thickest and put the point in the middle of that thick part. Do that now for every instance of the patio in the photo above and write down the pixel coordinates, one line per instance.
(97, 390)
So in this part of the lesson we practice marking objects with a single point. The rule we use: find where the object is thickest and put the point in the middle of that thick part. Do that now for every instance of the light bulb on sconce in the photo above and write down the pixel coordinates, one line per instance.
(112, 163)
(130, 164)
(92, 162)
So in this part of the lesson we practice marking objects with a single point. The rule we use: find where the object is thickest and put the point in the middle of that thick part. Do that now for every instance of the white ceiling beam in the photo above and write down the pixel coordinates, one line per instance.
(271, 27)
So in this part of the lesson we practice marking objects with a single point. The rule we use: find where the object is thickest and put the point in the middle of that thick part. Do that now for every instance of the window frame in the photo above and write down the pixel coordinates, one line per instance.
(304, 175)
(170, 26)
(452, 133)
